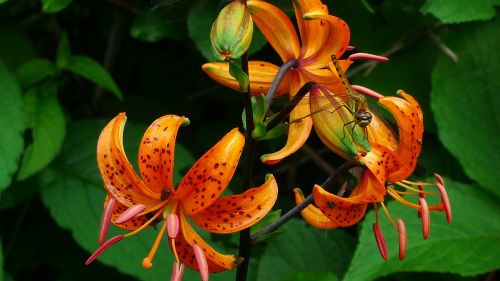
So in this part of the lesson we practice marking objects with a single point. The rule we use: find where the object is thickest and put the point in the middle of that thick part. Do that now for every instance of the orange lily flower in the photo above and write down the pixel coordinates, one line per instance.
(134, 204)
(321, 35)
(388, 163)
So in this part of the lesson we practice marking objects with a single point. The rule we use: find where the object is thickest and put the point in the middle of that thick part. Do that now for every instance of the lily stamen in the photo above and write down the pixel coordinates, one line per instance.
(402, 239)
(418, 183)
(146, 224)
(146, 262)
(379, 237)
(367, 92)
(103, 248)
(366, 56)
(130, 213)
(445, 201)
(106, 220)
(425, 217)
(419, 191)
(388, 215)
(201, 260)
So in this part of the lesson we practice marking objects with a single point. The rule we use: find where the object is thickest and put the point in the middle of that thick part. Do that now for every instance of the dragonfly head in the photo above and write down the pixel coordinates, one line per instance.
(363, 118)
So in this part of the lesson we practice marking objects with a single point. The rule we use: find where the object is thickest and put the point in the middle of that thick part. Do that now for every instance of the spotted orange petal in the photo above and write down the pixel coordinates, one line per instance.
(276, 27)
(156, 153)
(312, 214)
(298, 132)
(217, 262)
(210, 175)
(236, 212)
(261, 75)
(382, 162)
(410, 127)
(117, 173)
(349, 211)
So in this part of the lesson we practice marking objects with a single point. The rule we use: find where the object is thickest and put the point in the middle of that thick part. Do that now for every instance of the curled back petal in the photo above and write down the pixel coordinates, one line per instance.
(236, 212)
(349, 211)
(380, 133)
(210, 175)
(308, 29)
(117, 173)
(312, 214)
(298, 129)
(216, 261)
(410, 129)
(276, 27)
(156, 153)
(330, 36)
(261, 75)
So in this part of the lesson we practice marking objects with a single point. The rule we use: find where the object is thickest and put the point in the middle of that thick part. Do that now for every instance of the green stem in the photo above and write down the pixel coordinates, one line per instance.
(293, 212)
(250, 147)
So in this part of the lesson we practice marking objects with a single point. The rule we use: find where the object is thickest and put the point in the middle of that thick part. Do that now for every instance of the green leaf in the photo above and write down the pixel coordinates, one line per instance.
(150, 27)
(63, 56)
(16, 47)
(11, 125)
(465, 101)
(307, 276)
(35, 71)
(74, 195)
(48, 127)
(305, 249)
(458, 11)
(200, 19)
(54, 6)
(468, 246)
(93, 71)
(237, 72)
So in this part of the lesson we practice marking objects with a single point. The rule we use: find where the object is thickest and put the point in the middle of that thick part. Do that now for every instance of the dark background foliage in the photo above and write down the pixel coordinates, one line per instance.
(68, 66)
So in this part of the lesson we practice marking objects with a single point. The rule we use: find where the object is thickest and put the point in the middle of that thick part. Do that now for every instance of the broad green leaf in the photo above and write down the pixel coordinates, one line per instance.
(1, 2)
(93, 71)
(63, 56)
(35, 71)
(74, 195)
(465, 101)
(11, 125)
(458, 11)
(48, 128)
(302, 248)
(200, 19)
(54, 6)
(316, 276)
(468, 246)
(161, 21)
(16, 47)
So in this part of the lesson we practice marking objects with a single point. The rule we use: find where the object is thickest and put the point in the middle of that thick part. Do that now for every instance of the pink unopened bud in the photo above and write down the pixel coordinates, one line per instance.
(365, 56)
(105, 220)
(201, 259)
(402, 238)
(103, 248)
(425, 217)
(130, 213)
(379, 237)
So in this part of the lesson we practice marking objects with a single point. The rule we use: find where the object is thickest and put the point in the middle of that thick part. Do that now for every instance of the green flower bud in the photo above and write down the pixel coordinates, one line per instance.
(231, 33)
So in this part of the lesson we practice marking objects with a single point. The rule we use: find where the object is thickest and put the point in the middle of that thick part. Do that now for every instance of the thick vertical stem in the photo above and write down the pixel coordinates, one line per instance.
(250, 146)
